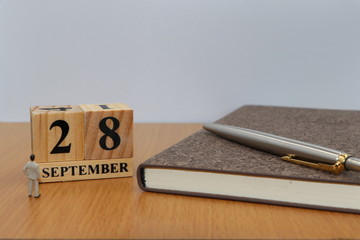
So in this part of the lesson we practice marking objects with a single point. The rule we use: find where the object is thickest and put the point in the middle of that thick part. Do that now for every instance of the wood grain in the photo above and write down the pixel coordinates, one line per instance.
(45, 136)
(117, 208)
(94, 114)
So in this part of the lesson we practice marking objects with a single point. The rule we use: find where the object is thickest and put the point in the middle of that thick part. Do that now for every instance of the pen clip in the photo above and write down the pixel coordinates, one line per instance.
(336, 168)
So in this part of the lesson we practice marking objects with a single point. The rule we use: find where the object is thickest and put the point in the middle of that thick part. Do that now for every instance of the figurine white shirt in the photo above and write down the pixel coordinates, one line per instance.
(31, 170)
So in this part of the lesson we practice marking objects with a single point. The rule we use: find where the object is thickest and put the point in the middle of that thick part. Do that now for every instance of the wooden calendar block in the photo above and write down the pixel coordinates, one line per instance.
(57, 133)
(108, 131)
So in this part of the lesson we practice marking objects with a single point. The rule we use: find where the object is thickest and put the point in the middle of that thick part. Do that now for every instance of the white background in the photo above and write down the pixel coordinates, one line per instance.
(179, 61)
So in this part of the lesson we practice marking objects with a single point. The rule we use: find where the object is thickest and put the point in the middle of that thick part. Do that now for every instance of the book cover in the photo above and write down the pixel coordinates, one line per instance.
(204, 152)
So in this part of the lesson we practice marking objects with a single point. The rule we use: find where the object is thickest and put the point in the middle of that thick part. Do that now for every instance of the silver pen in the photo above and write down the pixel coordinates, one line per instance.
(289, 149)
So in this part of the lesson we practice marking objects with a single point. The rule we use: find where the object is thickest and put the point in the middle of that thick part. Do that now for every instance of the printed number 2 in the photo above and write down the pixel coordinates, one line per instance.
(64, 126)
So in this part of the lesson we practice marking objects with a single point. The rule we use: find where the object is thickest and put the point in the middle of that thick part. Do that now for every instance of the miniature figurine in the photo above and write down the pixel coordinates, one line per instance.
(32, 171)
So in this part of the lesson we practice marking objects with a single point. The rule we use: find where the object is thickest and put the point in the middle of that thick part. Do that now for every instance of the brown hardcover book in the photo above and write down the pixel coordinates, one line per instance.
(209, 166)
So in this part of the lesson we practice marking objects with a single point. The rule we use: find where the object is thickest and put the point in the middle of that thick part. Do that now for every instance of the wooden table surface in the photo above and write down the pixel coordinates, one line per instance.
(118, 208)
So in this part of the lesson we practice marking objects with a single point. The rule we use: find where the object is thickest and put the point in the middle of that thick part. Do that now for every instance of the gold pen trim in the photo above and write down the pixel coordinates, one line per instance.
(336, 168)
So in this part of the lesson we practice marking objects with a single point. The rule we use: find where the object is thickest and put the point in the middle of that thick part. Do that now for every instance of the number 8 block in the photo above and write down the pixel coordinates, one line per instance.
(108, 131)
(57, 133)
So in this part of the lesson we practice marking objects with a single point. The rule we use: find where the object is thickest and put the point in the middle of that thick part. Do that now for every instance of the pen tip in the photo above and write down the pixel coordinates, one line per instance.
(211, 127)
(207, 126)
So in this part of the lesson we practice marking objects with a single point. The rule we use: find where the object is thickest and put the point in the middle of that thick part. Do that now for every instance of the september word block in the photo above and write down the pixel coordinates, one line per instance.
(85, 170)
(57, 133)
(108, 131)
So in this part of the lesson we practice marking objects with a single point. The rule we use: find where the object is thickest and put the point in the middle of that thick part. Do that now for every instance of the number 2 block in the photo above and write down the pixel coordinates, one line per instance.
(108, 131)
(57, 133)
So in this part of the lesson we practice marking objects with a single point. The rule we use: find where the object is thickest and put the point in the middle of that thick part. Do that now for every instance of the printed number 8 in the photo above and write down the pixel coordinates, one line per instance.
(109, 133)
